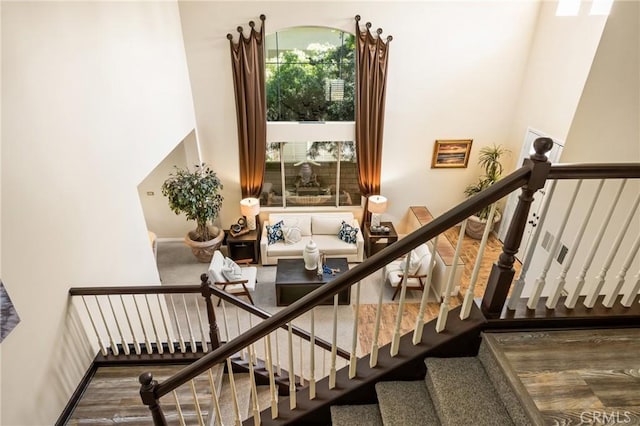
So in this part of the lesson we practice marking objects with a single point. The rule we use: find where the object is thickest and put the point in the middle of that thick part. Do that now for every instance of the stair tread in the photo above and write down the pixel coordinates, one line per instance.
(463, 394)
(356, 415)
(406, 403)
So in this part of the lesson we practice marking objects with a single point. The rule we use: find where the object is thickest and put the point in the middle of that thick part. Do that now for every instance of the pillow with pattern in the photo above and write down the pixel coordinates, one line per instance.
(231, 270)
(274, 233)
(348, 233)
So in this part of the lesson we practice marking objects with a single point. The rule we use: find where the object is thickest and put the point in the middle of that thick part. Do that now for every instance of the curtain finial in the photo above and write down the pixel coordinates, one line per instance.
(229, 36)
(239, 29)
(368, 25)
(252, 24)
(263, 17)
(379, 31)
(357, 18)
(389, 38)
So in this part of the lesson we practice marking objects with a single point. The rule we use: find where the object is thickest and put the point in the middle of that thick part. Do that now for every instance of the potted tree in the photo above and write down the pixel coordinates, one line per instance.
(489, 160)
(197, 194)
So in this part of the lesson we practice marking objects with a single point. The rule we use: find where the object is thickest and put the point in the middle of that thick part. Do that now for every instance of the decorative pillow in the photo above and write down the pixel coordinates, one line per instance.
(274, 233)
(348, 233)
(231, 270)
(292, 234)
(415, 261)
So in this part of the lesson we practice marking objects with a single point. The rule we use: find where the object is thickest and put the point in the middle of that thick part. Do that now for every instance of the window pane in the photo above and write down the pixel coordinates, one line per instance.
(349, 189)
(272, 183)
(310, 75)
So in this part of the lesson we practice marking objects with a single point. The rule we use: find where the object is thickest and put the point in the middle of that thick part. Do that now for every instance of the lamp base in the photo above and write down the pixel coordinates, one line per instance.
(251, 222)
(375, 219)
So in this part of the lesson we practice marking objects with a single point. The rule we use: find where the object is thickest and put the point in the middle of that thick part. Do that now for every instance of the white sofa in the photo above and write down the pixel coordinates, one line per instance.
(322, 228)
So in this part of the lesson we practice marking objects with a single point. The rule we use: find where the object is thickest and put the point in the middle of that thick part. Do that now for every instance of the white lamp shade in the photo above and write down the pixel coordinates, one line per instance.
(377, 204)
(250, 207)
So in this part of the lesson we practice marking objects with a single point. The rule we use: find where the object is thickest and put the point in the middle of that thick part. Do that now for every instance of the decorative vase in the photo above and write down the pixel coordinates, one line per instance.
(310, 256)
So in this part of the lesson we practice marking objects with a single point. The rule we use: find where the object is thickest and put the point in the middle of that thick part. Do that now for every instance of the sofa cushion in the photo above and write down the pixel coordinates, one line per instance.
(348, 233)
(301, 221)
(327, 225)
(274, 233)
(294, 249)
(334, 245)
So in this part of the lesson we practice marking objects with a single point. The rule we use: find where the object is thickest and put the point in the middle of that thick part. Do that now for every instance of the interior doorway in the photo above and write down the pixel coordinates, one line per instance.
(538, 198)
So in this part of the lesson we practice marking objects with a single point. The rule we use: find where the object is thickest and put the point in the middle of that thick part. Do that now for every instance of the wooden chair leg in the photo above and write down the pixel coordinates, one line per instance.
(396, 292)
(246, 293)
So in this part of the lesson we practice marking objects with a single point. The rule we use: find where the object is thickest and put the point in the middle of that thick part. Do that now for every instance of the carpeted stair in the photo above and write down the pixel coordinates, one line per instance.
(456, 391)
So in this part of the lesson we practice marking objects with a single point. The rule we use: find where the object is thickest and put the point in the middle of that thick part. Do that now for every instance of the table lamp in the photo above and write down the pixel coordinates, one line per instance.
(377, 206)
(250, 207)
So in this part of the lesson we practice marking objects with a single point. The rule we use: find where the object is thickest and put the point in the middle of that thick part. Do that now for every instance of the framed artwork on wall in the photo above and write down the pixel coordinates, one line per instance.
(452, 153)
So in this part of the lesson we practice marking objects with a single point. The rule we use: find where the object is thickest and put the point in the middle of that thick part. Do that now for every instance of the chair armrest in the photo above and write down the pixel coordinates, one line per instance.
(244, 262)
(264, 241)
(232, 282)
(413, 276)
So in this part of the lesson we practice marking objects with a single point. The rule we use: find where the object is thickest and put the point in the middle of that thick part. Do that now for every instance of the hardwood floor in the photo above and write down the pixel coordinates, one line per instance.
(578, 376)
(468, 254)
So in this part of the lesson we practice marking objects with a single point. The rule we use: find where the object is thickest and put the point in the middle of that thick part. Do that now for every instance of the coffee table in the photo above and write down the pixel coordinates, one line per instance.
(293, 281)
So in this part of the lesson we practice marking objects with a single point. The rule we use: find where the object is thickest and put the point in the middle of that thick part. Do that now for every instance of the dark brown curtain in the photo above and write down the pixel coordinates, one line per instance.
(371, 79)
(247, 60)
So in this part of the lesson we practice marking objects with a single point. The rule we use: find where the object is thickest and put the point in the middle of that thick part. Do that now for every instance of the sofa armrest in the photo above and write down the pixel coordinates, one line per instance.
(359, 240)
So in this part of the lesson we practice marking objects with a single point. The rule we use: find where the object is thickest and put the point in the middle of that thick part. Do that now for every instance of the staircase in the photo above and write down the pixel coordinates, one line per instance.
(455, 391)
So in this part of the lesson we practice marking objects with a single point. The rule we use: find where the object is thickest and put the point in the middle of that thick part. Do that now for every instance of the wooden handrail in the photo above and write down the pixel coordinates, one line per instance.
(266, 315)
(140, 289)
(595, 171)
(348, 278)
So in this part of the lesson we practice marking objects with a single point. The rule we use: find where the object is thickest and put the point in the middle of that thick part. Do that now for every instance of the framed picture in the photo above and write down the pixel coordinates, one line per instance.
(451, 153)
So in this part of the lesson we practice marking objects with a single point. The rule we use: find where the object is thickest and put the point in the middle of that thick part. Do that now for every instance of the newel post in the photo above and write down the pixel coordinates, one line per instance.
(214, 332)
(147, 393)
(502, 271)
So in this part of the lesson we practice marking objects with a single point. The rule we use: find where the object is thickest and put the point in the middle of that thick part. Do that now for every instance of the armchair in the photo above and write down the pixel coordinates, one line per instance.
(419, 260)
(239, 287)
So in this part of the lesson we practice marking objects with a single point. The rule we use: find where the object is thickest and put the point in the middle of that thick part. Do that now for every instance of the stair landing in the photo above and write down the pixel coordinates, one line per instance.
(573, 376)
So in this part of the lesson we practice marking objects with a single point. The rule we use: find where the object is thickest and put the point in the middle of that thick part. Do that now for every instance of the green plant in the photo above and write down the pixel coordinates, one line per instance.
(489, 160)
(197, 195)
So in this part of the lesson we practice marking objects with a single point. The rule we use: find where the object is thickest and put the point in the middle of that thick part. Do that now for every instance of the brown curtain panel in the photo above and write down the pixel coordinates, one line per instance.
(371, 79)
(247, 60)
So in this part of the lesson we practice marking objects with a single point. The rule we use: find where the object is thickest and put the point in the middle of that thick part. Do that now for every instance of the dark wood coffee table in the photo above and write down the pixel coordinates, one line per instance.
(293, 281)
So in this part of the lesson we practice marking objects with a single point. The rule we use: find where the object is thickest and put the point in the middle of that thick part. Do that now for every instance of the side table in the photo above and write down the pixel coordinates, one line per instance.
(373, 243)
(245, 246)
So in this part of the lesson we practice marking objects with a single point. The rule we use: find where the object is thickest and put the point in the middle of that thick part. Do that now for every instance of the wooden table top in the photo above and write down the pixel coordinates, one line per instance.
(292, 271)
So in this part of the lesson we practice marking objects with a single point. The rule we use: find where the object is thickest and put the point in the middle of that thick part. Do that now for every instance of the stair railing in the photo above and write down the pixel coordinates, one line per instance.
(531, 177)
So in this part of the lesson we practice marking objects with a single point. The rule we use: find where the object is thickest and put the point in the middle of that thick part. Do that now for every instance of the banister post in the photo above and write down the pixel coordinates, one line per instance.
(147, 393)
(214, 332)
(502, 271)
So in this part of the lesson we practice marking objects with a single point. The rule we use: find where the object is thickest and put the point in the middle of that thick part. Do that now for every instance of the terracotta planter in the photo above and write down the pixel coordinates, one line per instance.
(203, 250)
(475, 226)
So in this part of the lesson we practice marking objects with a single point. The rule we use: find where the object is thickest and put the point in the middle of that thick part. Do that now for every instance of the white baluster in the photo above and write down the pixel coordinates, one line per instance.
(292, 375)
(334, 344)
(590, 300)
(183, 347)
(353, 359)
(620, 278)
(278, 366)
(242, 351)
(628, 298)
(147, 342)
(136, 345)
(192, 337)
(214, 400)
(395, 340)
(417, 332)
(114, 347)
(272, 379)
(178, 409)
(373, 358)
(164, 324)
(196, 403)
(234, 393)
(103, 350)
(301, 362)
(125, 345)
(205, 346)
(573, 297)
(255, 357)
(226, 323)
(254, 391)
(312, 356)
(518, 285)
(444, 306)
(561, 280)
(465, 311)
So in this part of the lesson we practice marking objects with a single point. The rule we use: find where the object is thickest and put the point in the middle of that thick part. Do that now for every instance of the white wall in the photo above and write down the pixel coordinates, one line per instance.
(605, 129)
(454, 72)
(157, 214)
(95, 95)
(561, 54)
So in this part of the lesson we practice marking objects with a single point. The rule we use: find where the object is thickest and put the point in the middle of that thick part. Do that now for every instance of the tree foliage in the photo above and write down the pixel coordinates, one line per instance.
(197, 195)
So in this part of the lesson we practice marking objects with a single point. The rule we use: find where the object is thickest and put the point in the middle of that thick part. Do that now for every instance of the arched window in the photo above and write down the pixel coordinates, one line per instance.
(310, 85)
